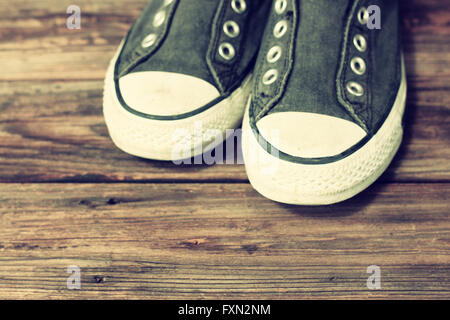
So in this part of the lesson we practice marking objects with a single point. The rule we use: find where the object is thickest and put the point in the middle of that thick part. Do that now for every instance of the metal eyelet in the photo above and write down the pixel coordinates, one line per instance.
(239, 6)
(159, 19)
(358, 66)
(149, 40)
(280, 6)
(355, 88)
(363, 15)
(226, 51)
(274, 54)
(231, 29)
(360, 43)
(280, 29)
(270, 77)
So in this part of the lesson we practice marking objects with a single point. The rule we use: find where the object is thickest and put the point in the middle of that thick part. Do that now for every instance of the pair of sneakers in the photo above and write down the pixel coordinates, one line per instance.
(320, 91)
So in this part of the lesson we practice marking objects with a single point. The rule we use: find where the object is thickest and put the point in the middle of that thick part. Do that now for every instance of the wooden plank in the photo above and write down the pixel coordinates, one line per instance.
(54, 131)
(194, 241)
(42, 8)
(38, 45)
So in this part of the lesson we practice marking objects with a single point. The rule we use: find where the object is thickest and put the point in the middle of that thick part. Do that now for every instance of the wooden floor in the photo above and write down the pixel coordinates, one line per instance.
(146, 229)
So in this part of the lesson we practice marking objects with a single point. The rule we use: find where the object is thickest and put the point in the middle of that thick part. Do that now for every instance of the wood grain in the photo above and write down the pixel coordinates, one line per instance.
(149, 229)
(221, 241)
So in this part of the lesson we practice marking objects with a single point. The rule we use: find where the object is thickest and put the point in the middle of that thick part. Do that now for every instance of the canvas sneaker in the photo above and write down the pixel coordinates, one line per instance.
(182, 76)
(325, 117)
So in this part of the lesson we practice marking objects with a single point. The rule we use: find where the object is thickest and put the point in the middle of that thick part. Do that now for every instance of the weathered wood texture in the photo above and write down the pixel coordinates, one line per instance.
(225, 241)
(199, 231)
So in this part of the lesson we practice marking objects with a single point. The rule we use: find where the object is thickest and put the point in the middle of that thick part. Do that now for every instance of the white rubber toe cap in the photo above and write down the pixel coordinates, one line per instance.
(309, 135)
(164, 93)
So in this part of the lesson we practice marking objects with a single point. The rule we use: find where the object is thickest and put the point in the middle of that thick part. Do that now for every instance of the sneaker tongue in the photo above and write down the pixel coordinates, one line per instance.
(191, 19)
(320, 32)
(326, 14)
(188, 23)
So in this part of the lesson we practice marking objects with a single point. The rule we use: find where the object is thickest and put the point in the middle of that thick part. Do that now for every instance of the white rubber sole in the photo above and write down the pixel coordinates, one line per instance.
(323, 184)
(171, 140)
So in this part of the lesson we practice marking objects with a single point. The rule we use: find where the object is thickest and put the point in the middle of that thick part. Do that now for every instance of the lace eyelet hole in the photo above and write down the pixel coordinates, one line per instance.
(360, 43)
(363, 15)
(159, 19)
(280, 29)
(274, 54)
(149, 40)
(231, 29)
(239, 6)
(354, 88)
(226, 51)
(358, 66)
(280, 6)
(270, 77)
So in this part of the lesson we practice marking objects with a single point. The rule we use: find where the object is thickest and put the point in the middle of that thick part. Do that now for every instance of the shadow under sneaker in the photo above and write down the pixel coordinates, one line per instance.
(325, 117)
(182, 75)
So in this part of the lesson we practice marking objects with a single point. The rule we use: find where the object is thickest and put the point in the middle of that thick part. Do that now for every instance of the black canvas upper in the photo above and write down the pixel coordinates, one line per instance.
(314, 68)
(188, 41)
